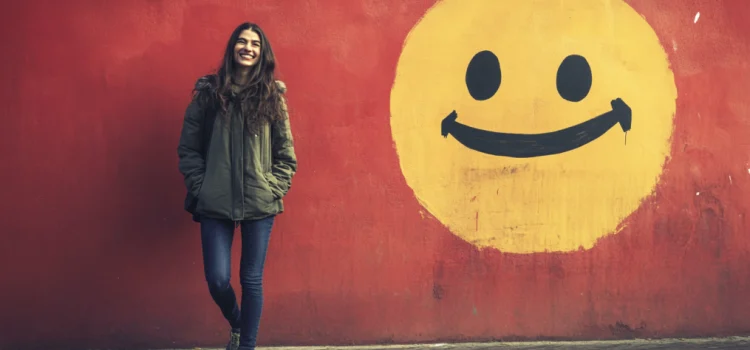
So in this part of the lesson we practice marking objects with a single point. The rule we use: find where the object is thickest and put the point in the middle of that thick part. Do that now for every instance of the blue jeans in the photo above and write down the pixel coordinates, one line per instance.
(216, 239)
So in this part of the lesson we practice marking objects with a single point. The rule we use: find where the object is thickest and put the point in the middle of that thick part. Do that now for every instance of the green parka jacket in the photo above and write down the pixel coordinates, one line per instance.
(230, 173)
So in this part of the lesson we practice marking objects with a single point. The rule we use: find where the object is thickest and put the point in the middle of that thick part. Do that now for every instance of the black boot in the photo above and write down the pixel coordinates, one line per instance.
(234, 340)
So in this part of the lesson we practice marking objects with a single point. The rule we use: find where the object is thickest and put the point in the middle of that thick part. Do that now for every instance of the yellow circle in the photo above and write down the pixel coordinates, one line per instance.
(551, 202)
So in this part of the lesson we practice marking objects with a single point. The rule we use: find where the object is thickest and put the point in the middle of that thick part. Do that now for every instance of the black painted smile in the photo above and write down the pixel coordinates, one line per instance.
(536, 145)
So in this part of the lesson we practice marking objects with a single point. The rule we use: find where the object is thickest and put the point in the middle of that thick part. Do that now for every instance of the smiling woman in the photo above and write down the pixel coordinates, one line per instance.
(237, 156)
(571, 72)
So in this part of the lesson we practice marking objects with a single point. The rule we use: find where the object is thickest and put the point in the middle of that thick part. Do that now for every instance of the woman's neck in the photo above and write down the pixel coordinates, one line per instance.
(241, 77)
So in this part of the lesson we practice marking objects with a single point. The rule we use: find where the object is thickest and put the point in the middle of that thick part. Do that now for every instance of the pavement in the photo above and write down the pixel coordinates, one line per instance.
(637, 344)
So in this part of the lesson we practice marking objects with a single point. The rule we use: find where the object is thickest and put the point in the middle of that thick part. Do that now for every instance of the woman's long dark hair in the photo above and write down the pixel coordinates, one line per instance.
(260, 98)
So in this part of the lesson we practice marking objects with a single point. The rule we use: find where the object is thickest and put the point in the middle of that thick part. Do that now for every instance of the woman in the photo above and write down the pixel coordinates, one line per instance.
(237, 156)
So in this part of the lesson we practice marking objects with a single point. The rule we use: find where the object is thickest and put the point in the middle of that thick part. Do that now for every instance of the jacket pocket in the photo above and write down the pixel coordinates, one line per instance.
(260, 198)
(198, 196)
(273, 185)
(192, 198)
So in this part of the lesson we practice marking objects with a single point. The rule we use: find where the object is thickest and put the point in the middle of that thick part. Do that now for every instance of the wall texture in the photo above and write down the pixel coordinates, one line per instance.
(392, 233)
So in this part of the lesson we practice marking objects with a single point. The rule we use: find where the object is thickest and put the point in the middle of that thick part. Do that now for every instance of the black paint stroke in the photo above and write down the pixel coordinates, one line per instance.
(537, 145)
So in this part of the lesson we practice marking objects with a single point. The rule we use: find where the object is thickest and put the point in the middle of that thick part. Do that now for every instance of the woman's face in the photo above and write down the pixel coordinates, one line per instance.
(247, 48)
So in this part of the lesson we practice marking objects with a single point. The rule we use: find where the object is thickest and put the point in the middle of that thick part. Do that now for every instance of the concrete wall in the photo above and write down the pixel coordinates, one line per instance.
(392, 233)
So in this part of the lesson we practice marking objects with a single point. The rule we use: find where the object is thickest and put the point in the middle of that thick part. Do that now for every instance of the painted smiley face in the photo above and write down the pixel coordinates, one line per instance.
(506, 129)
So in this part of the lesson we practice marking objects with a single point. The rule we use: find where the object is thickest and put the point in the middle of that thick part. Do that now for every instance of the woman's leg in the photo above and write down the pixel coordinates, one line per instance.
(255, 237)
(216, 239)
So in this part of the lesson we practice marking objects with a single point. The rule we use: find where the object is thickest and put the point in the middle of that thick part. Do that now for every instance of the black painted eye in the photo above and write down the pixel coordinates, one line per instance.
(574, 78)
(483, 75)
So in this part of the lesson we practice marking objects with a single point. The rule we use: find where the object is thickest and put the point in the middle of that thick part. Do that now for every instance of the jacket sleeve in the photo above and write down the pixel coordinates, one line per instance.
(190, 149)
(284, 158)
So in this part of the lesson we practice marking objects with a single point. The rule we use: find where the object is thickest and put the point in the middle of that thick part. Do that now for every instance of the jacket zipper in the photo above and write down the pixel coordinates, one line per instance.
(266, 150)
(242, 163)
(231, 165)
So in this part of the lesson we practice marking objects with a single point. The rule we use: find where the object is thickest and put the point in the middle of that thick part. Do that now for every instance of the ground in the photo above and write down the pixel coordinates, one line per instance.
(638, 344)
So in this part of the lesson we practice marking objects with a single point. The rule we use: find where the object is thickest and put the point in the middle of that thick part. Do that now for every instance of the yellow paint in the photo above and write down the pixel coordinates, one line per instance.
(559, 202)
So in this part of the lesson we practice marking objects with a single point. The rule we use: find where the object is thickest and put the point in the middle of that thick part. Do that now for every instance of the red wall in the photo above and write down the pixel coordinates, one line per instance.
(97, 252)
